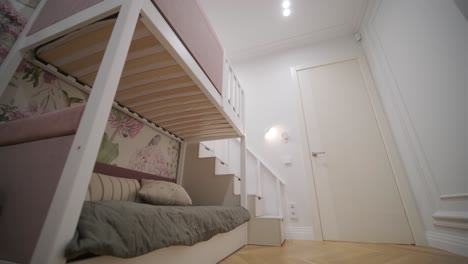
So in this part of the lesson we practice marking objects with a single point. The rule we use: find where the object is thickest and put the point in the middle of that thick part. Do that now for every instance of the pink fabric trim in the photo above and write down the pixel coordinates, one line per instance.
(116, 171)
(29, 176)
(191, 24)
(49, 125)
(57, 10)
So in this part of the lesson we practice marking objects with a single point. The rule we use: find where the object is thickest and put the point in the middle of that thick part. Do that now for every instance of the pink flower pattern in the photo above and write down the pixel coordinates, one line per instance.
(124, 125)
(49, 78)
(150, 159)
(11, 25)
(11, 15)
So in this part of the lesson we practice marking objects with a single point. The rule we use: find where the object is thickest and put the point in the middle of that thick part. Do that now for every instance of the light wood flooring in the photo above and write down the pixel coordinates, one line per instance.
(307, 252)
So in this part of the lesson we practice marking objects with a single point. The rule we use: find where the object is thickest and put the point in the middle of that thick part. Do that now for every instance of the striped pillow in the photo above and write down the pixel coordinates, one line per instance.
(104, 187)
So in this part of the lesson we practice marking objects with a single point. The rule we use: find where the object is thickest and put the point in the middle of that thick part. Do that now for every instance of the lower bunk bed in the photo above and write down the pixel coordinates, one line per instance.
(128, 216)
(212, 251)
(135, 217)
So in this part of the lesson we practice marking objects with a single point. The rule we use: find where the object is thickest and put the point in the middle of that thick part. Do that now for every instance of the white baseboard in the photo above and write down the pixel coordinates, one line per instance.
(299, 233)
(451, 243)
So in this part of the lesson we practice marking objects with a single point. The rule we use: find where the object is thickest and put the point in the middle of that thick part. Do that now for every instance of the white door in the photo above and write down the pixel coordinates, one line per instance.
(357, 195)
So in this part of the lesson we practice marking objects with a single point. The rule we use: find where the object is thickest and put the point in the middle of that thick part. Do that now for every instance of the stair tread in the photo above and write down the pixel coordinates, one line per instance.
(228, 174)
(270, 216)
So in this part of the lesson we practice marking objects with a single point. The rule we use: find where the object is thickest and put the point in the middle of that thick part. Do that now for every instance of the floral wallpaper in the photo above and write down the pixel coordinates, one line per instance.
(127, 142)
(13, 17)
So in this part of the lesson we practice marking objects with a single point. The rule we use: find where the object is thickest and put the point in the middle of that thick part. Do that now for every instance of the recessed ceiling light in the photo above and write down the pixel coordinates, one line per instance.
(286, 12)
(286, 4)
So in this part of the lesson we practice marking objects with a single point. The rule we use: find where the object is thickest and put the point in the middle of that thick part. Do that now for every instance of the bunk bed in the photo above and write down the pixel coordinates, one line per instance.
(153, 59)
(156, 82)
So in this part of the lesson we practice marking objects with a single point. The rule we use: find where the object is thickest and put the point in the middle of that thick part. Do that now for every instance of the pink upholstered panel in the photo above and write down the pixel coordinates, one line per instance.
(191, 24)
(49, 125)
(29, 176)
(57, 10)
(116, 171)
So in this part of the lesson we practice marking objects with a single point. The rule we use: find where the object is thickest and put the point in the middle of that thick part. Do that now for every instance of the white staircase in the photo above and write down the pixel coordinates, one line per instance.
(212, 177)
(265, 230)
(227, 154)
(207, 178)
(266, 203)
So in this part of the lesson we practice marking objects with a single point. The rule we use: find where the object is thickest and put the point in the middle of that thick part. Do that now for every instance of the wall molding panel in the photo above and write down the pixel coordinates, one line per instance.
(454, 196)
(444, 215)
(455, 244)
(300, 233)
(451, 219)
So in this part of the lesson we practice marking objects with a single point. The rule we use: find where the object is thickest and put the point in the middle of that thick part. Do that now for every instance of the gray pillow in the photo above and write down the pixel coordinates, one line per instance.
(163, 193)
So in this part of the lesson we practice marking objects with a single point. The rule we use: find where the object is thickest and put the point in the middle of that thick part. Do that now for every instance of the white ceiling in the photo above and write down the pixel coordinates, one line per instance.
(251, 27)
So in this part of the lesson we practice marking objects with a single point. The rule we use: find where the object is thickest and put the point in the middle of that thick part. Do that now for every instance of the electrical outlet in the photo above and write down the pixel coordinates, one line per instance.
(292, 213)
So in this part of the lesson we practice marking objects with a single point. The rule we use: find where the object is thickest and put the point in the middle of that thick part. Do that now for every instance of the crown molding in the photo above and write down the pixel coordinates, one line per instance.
(309, 38)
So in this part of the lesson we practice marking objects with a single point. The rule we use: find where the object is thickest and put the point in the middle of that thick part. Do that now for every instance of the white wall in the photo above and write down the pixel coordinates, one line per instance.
(271, 101)
(418, 54)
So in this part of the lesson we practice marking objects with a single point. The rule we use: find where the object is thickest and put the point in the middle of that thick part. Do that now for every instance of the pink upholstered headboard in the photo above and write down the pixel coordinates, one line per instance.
(191, 24)
(57, 10)
(116, 171)
(33, 152)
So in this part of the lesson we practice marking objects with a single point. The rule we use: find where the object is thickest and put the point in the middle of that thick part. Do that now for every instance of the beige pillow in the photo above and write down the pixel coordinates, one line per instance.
(163, 193)
(104, 187)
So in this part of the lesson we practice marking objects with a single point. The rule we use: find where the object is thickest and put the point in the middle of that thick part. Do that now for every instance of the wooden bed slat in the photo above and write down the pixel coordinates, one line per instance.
(147, 60)
(151, 73)
(61, 50)
(139, 44)
(155, 86)
(202, 128)
(196, 118)
(88, 51)
(211, 136)
(202, 132)
(143, 43)
(179, 109)
(196, 123)
(195, 113)
(158, 94)
(93, 59)
(158, 103)
(153, 80)
(126, 81)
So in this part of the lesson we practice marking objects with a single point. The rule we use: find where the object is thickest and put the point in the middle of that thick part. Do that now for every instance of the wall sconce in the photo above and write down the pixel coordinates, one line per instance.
(275, 132)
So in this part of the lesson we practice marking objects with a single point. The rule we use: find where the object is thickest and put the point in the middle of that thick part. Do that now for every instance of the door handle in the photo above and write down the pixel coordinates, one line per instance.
(315, 154)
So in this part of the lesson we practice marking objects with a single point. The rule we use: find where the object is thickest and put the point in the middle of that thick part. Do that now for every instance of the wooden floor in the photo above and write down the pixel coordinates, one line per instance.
(307, 252)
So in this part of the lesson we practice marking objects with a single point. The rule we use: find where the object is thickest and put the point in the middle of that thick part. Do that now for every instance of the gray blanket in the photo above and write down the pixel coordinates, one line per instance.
(128, 229)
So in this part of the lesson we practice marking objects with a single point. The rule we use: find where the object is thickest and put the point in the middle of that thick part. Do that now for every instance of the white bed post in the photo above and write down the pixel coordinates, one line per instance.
(243, 172)
(14, 57)
(180, 165)
(65, 209)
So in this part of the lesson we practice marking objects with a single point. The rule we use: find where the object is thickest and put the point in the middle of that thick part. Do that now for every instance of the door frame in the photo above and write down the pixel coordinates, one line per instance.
(399, 172)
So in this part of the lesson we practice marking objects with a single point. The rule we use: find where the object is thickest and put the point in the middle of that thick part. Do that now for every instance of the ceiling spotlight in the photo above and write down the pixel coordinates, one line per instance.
(286, 12)
(286, 4)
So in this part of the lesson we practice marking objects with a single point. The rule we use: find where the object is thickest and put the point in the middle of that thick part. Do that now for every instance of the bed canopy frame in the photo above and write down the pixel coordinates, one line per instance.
(127, 55)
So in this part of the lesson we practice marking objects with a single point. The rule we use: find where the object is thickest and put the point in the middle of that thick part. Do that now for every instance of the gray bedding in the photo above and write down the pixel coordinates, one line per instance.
(128, 229)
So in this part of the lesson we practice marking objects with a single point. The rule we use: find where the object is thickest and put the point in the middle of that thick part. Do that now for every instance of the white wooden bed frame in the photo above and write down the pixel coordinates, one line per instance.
(64, 211)
(207, 252)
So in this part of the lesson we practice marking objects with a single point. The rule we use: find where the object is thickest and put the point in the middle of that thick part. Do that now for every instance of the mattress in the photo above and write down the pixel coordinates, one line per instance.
(127, 229)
